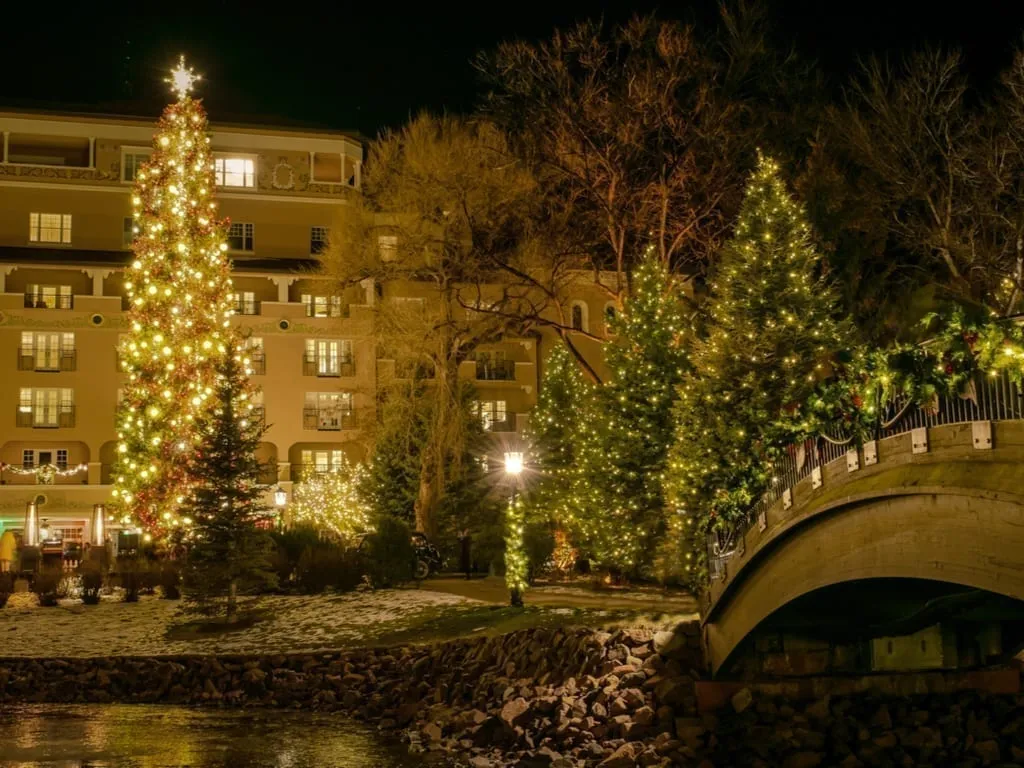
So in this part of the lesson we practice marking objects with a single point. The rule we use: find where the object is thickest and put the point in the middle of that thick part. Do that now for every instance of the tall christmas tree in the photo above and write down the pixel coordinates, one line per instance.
(180, 292)
(773, 329)
(228, 557)
(624, 449)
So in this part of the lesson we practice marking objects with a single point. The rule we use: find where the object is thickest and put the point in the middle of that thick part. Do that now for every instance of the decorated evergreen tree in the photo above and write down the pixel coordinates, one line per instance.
(180, 295)
(229, 556)
(333, 502)
(554, 436)
(772, 333)
(627, 431)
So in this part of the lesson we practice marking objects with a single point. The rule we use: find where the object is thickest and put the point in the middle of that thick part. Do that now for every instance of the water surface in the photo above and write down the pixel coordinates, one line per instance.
(143, 736)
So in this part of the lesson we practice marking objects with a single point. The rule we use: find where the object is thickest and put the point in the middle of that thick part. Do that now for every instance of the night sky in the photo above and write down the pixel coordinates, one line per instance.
(368, 66)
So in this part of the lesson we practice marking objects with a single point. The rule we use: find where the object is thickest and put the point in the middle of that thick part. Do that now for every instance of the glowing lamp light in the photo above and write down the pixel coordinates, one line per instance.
(280, 497)
(513, 462)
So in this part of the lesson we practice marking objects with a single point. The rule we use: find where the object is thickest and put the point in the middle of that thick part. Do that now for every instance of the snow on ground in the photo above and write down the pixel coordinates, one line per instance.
(292, 623)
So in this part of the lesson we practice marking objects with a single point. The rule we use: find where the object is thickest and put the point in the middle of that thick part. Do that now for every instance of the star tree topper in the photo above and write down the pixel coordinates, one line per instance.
(182, 78)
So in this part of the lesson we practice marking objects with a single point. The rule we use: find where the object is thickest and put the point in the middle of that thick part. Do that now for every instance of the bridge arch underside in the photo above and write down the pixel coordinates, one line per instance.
(965, 537)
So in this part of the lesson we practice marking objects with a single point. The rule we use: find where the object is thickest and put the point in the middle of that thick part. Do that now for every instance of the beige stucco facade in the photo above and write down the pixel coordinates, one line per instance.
(65, 184)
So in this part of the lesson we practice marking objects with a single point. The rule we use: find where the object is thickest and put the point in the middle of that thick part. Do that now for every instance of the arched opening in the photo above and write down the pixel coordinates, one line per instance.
(312, 458)
(882, 625)
(610, 316)
(44, 462)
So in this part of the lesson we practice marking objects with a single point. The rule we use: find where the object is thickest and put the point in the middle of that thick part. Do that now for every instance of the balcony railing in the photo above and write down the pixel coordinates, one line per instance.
(328, 419)
(258, 362)
(31, 360)
(49, 417)
(326, 367)
(247, 307)
(268, 473)
(304, 470)
(41, 301)
(496, 370)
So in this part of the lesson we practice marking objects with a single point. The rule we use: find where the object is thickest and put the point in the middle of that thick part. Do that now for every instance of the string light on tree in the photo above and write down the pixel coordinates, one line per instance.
(180, 304)
(333, 501)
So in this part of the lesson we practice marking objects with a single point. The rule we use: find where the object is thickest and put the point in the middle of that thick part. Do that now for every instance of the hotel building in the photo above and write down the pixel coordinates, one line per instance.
(65, 239)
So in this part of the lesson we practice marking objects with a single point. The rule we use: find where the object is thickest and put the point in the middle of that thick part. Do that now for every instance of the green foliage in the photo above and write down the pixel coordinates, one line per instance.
(538, 545)
(391, 482)
(132, 572)
(390, 555)
(329, 565)
(91, 573)
(627, 427)
(49, 586)
(229, 556)
(170, 579)
(772, 336)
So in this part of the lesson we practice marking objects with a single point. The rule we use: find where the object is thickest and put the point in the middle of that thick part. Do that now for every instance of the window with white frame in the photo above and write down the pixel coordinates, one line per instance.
(235, 172)
(49, 228)
(322, 306)
(240, 236)
(46, 351)
(387, 247)
(28, 459)
(491, 412)
(328, 357)
(46, 407)
(253, 348)
(246, 304)
(131, 162)
(48, 296)
(322, 461)
(318, 239)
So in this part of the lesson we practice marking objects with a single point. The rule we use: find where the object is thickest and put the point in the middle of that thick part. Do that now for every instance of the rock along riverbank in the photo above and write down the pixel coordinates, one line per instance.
(563, 698)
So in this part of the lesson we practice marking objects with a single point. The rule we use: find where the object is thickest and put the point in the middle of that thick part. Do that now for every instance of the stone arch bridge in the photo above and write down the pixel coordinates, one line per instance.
(940, 497)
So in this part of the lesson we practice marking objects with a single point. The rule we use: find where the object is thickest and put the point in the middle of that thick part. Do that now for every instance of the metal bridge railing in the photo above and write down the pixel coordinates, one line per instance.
(987, 398)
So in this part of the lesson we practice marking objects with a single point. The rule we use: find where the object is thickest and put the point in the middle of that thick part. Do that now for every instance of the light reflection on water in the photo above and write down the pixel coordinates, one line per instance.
(143, 736)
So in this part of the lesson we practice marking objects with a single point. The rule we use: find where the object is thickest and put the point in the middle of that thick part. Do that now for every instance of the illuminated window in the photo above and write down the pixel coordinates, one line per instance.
(328, 411)
(328, 357)
(49, 228)
(322, 461)
(48, 296)
(41, 351)
(235, 172)
(318, 238)
(131, 162)
(49, 407)
(322, 306)
(241, 236)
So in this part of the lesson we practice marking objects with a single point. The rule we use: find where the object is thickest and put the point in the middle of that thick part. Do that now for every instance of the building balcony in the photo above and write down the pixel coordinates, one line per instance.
(304, 471)
(328, 419)
(268, 474)
(28, 474)
(55, 417)
(496, 370)
(34, 360)
(41, 301)
(327, 367)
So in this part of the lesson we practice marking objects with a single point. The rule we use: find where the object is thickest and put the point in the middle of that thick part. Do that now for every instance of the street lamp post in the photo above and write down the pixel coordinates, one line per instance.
(513, 468)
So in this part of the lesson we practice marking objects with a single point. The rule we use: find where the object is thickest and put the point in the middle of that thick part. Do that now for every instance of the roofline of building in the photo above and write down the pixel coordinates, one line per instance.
(257, 128)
